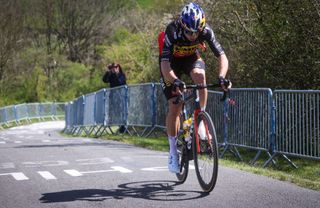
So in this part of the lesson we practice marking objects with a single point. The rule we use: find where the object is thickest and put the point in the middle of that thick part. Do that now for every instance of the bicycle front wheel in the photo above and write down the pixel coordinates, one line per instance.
(205, 151)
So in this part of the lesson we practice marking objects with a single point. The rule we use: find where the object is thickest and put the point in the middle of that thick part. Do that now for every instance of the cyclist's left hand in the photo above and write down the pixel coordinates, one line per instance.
(224, 83)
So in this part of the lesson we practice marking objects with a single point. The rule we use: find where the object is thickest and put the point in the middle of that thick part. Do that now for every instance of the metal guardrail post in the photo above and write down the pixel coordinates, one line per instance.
(126, 107)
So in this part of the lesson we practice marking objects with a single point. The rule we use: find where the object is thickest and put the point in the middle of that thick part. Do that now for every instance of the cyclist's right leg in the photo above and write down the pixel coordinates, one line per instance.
(173, 125)
(173, 117)
(173, 120)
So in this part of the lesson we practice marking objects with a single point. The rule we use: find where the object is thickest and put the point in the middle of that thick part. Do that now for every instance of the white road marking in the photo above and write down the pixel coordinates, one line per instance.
(16, 175)
(1, 142)
(163, 168)
(47, 175)
(17, 142)
(46, 140)
(7, 165)
(121, 169)
(45, 163)
(77, 173)
(4, 138)
(73, 172)
(94, 161)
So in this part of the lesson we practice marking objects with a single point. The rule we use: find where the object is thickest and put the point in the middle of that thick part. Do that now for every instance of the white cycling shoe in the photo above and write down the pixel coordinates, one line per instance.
(173, 163)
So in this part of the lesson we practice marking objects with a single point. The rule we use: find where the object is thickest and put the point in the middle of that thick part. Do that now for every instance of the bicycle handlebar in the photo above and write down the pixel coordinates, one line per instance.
(198, 87)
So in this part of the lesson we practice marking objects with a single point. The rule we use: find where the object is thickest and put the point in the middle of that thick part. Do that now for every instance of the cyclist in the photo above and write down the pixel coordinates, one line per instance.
(180, 54)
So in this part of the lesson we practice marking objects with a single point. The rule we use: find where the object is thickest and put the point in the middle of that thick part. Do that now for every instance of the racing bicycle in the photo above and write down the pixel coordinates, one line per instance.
(198, 140)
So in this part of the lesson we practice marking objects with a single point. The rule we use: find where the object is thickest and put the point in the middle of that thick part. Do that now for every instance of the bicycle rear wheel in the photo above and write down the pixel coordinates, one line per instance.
(205, 151)
(183, 160)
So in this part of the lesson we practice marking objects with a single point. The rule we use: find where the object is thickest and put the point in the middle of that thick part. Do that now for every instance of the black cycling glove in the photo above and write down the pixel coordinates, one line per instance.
(178, 83)
(224, 83)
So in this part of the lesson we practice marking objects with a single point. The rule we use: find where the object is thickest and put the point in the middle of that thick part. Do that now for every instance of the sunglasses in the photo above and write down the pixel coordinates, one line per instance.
(190, 33)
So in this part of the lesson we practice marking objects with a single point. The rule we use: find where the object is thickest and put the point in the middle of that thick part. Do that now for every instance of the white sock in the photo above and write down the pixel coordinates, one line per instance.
(203, 108)
(173, 146)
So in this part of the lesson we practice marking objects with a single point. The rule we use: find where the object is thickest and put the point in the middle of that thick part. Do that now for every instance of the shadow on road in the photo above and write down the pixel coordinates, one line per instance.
(150, 190)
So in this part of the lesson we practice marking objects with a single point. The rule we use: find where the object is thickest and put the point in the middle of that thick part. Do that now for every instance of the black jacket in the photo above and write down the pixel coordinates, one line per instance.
(114, 79)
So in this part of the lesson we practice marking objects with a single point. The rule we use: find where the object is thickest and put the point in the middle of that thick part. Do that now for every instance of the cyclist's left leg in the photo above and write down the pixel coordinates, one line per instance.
(198, 76)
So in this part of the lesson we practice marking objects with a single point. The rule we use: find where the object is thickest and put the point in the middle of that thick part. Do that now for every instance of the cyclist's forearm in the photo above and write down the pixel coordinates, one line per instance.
(167, 72)
(223, 65)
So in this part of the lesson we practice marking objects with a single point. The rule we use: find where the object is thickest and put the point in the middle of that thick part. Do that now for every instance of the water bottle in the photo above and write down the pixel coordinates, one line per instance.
(186, 131)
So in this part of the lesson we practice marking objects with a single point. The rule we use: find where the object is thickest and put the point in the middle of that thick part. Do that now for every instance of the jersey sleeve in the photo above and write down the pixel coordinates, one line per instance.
(169, 39)
(214, 45)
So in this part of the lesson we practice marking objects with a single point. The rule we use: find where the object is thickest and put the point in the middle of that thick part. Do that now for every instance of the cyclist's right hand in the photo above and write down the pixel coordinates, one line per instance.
(178, 86)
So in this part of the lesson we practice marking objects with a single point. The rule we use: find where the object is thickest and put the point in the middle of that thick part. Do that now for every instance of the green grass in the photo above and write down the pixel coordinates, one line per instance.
(159, 144)
(307, 175)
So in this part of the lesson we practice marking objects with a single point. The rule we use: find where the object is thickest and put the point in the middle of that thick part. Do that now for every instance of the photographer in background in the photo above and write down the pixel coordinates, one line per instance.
(115, 76)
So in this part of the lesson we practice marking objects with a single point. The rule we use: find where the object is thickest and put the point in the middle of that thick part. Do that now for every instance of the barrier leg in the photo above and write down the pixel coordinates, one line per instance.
(236, 153)
(254, 160)
(98, 131)
(226, 147)
(289, 161)
(150, 132)
(269, 160)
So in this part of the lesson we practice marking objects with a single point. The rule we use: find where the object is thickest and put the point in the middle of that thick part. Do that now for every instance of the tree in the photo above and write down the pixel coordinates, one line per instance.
(11, 26)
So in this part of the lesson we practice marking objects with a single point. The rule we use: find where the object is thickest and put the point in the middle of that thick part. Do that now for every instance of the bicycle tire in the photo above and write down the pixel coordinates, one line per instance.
(183, 160)
(205, 153)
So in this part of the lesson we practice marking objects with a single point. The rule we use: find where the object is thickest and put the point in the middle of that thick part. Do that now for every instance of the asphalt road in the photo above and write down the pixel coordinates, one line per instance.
(40, 168)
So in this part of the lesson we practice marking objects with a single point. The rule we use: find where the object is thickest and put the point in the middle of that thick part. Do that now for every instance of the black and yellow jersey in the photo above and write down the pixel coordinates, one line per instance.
(176, 45)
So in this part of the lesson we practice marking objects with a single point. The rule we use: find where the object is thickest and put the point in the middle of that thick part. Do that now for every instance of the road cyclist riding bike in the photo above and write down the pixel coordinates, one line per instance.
(179, 53)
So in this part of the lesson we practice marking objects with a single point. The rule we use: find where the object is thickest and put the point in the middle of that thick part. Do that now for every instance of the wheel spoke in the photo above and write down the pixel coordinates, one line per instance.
(206, 157)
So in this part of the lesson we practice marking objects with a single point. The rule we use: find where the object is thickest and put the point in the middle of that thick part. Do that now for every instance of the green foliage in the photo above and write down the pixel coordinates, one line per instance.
(133, 51)
(59, 49)
(145, 3)
(73, 80)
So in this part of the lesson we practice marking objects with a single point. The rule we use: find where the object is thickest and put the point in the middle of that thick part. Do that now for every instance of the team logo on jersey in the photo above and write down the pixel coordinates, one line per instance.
(181, 51)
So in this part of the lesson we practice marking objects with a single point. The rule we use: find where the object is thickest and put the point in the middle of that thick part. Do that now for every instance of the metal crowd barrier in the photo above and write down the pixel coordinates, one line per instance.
(216, 109)
(26, 112)
(119, 106)
(249, 121)
(296, 124)
(161, 107)
(279, 123)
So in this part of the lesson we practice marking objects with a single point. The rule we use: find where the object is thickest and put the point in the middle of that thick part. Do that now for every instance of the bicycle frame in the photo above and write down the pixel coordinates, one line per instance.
(195, 95)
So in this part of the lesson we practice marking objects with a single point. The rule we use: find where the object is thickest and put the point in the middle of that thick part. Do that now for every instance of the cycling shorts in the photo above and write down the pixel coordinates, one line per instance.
(181, 65)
